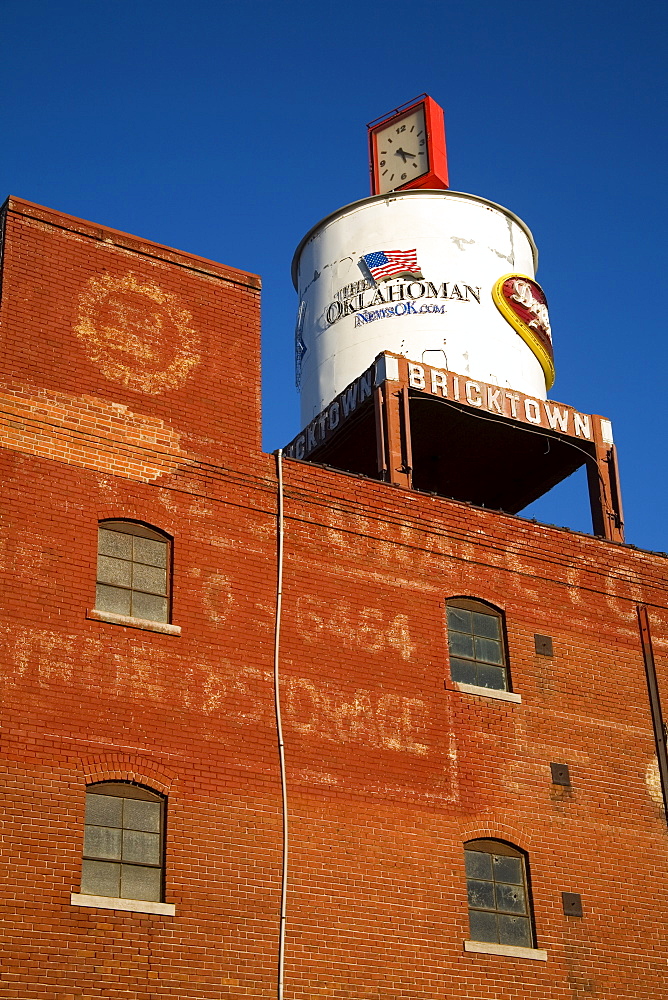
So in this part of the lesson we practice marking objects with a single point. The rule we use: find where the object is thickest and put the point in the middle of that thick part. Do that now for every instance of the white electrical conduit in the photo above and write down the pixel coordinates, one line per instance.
(279, 725)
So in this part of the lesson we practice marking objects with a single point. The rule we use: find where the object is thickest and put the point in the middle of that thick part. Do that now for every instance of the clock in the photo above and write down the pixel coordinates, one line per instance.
(407, 148)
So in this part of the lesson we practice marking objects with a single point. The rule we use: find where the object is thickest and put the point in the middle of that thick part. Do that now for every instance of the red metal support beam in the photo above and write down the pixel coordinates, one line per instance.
(379, 414)
(604, 489)
(654, 701)
(397, 435)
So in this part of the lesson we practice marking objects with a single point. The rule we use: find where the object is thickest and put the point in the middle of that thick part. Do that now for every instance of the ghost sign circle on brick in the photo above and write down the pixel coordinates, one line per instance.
(136, 332)
(523, 303)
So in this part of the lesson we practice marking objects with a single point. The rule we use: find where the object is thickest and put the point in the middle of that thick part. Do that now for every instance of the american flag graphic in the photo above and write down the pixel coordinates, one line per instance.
(384, 264)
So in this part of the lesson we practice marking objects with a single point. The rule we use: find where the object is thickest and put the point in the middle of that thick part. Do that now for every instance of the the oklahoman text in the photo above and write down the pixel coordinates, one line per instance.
(398, 298)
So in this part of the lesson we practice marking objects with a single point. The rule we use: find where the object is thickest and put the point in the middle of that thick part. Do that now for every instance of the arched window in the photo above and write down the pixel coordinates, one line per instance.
(498, 894)
(132, 571)
(123, 842)
(476, 639)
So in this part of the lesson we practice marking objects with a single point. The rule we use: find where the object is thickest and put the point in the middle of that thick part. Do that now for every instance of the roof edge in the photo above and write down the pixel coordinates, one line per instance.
(51, 216)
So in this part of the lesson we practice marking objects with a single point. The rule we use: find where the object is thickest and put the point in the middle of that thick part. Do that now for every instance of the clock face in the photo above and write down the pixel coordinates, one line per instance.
(401, 150)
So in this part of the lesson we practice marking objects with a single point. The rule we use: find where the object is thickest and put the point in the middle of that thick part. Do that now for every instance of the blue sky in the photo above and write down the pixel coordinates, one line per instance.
(229, 129)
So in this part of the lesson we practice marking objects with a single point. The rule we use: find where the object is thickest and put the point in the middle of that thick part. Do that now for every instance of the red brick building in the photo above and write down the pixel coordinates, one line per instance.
(142, 841)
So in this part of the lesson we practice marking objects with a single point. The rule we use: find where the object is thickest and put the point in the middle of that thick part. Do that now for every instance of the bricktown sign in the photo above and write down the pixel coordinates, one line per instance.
(459, 389)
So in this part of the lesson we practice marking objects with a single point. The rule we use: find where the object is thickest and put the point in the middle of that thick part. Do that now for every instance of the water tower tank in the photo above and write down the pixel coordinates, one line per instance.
(445, 316)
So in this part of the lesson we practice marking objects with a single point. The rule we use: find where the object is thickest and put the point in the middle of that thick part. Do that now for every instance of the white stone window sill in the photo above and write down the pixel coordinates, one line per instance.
(489, 692)
(147, 626)
(113, 903)
(509, 950)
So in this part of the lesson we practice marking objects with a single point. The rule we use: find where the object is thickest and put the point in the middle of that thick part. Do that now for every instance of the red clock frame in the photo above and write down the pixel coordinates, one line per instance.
(437, 171)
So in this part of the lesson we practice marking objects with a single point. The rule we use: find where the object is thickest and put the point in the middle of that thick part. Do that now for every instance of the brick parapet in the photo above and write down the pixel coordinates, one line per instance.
(122, 354)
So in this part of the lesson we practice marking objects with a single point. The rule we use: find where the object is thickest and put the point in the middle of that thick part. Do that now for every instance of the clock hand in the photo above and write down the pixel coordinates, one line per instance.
(404, 155)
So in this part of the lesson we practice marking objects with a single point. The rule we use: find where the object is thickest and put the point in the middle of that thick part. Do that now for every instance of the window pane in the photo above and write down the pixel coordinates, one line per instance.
(489, 650)
(510, 898)
(102, 842)
(487, 625)
(491, 677)
(152, 608)
(506, 918)
(100, 878)
(478, 864)
(149, 551)
(463, 671)
(132, 574)
(104, 810)
(515, 930)
(127, 829)
(481, 894)
(141, 815)
(483, 926)
(140, 883)
(111, 543)
(141, 847)
(508, 869)
(149, 578)
(459, 619)
(116, 602)
(478, 637)
(460, 644)
(116, 571)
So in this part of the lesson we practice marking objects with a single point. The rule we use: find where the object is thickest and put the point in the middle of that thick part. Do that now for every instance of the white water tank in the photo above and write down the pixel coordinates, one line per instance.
(464, 244)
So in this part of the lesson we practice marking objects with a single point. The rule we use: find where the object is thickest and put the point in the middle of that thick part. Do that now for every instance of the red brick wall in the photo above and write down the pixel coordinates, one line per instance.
(390, 768)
